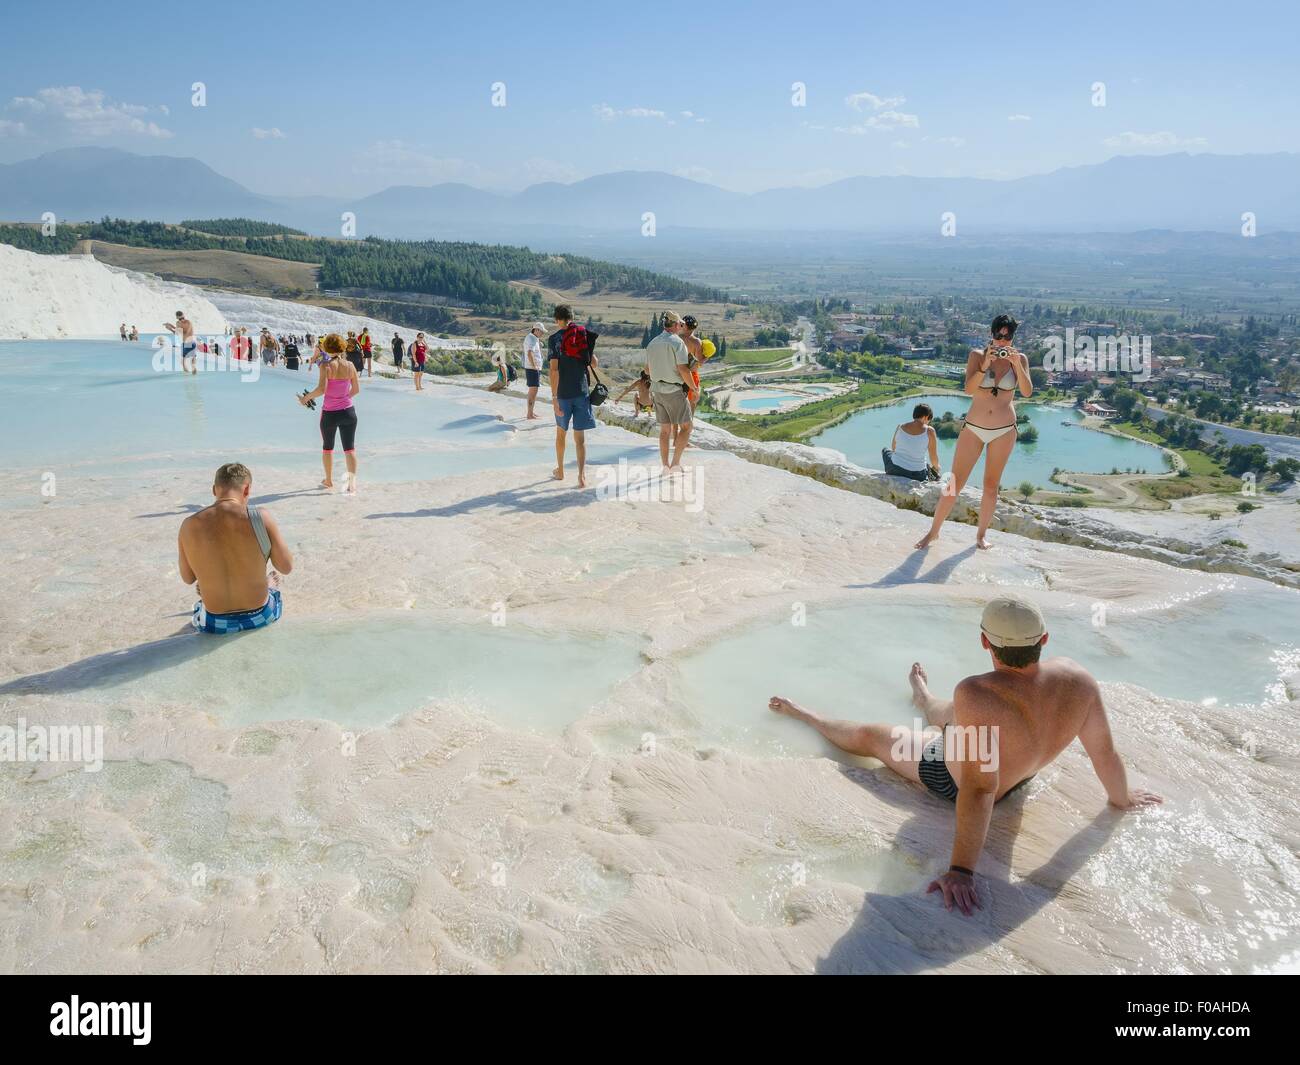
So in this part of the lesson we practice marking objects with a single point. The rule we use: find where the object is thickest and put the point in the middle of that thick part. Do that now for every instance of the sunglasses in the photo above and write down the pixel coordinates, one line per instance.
(1001, 336)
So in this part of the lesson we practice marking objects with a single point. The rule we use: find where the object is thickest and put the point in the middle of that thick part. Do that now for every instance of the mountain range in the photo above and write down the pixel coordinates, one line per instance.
(1127, 193)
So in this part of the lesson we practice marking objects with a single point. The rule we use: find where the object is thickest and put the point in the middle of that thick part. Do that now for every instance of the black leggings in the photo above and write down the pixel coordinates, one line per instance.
(345, 421)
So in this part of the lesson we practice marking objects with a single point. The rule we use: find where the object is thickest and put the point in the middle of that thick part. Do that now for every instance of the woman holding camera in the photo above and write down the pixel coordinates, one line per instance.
(992, 378)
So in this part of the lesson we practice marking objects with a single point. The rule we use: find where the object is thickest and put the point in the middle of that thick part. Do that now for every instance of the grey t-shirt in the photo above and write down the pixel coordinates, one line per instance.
(663, 355)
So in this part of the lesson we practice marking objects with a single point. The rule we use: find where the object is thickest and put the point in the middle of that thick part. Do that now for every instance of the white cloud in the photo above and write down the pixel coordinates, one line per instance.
(608, 114)
(69, 109)
(883, 122)
(952, 142)
(11, 129)
(1018, 118)
(1162, 139)
(694, 173)
(274, 133)
(861, 101)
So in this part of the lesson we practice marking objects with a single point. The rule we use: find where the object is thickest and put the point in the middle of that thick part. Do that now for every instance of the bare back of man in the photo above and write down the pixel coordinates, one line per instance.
(218, 548)
(1037, 714)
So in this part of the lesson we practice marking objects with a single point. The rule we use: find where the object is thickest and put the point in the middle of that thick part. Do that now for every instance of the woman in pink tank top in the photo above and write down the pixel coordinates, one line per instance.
(338, 384)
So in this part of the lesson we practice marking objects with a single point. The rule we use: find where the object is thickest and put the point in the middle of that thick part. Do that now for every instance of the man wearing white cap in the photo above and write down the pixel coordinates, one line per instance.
(533, 363)
(996, 732)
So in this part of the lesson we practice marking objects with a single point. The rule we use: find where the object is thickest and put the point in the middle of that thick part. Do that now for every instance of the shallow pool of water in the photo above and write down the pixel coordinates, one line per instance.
(852, 661)
(100, 407)
(770, 401)
(1062, 442)
(359, 673)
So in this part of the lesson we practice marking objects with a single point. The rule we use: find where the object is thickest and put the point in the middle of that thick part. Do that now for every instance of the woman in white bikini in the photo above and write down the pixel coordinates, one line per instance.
(992, 378)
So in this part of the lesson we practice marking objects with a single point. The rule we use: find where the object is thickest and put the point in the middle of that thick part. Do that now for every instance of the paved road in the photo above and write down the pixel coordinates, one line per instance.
(806, 349)
(1278, 447)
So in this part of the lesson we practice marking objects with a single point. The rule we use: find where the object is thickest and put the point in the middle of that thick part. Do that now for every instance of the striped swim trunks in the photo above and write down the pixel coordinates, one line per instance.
(933, 771)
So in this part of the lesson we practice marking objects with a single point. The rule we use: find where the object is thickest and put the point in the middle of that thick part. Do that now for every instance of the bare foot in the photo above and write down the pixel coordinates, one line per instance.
(352, 484)
(920, 686)
(926, 541)
(557, 474)
(981, 541)
(582, 478)
(778, 704)
(327, 484)
(534, 417)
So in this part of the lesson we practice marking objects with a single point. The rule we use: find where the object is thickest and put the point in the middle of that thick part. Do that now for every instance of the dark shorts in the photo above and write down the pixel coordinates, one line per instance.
(933, 771)
(576, 414)
(533, 377)
(344, 422)
(188, 349)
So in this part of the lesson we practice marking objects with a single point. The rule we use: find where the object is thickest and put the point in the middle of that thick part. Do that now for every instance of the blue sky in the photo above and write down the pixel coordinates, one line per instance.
(334, 98)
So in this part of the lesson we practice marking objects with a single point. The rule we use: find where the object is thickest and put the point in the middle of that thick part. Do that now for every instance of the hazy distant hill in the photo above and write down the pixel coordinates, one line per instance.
(83, 183)
(1176, 192)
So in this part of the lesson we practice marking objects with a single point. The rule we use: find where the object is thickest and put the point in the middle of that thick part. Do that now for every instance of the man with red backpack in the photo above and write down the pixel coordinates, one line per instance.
(571, 350)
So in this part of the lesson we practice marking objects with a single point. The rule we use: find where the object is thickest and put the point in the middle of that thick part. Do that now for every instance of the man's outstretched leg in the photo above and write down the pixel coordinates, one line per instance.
(897, 746)
(937, 711)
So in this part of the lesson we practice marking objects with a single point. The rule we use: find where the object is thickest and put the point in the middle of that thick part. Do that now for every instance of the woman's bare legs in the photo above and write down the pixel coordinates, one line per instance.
(967, 454)
(327, 460)
(995, 461)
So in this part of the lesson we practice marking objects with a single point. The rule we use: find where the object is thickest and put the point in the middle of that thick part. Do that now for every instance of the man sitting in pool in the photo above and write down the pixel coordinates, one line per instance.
(996, 732)
(225, 548)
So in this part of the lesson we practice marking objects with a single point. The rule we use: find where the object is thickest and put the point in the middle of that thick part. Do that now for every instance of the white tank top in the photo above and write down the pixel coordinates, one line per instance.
(912, 452)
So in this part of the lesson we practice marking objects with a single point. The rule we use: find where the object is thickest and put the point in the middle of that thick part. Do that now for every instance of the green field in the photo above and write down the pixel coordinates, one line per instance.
(747, 356)
(1198, 462)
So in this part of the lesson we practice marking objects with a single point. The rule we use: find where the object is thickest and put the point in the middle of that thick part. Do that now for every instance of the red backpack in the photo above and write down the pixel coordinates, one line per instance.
(573, 341)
